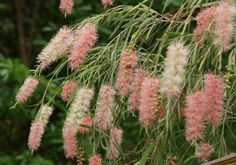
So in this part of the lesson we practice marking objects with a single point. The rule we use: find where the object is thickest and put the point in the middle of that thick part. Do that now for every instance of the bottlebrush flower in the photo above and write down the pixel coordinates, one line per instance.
(38, 126)
(203, 19)
(148, 101)
(43, 114)
(77, 111)
(107, 2)
(214, 90)
(67, 89)
(56, 48)
(128, 61)
(195, 116)
(115, 142)
(204, 152)
(135, 89)
(224, 25)
(26, 89)
(85, 39)
(70, 143)
(103, 116)
(85, 122)
(35, 135)
(95, 160)
(174, 70)
(66, 6)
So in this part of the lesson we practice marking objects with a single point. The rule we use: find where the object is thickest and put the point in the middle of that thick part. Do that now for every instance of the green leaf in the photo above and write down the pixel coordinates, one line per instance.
(146, 154)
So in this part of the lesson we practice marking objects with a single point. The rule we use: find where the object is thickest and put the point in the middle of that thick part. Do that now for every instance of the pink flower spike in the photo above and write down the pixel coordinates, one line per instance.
(195, 117)
(66, 6)
(95, 160)
(135, 89)
(204, 152)
(115, 142)
(85, 39)
(148, 101)
(224, 25)
(69, 136)
(85, 121)
(128, 61)
(26, 89)
(103, 115)
(35, 135)
(107, 2)
(203, 19)
(214, 91)
(67, 89)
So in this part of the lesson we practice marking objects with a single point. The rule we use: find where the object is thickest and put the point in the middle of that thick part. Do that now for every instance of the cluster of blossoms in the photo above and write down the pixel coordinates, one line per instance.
(38, 126)
(148, 101)
(67, 89)
(103, 116)
(174, 70)
(204, 152)
(66, 6)
(56, 48)
(224, 25)
(85, 38)
(128, 61)
(26, 89)
(134, 98)
(77, 111)
(115, 141)
(222, 16)
(204, 20)
(95, 160)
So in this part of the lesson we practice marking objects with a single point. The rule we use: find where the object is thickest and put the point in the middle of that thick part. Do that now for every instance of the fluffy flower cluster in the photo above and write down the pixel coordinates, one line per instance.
(203, 21)
(66, 6)
(174, 70)
(115, 142)
(35, 135)
(128, 61)
(77, 111)
(214, 90)
(56, 48)
(26, 89)
(86, 37)
(135, 89)
(38, 126)
(70, 143)
(67, 89)
(95, 160)
(224, 24)
(148, 101)
(103, 116)
(195, 113)
(204, 152)
(85, 122)
(107, 2)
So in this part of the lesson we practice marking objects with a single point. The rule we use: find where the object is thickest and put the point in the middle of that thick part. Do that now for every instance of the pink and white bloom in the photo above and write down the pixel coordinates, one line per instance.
(95, 160)
(134, 98)
(115, 142)
(85, 122)
(67, 89)
(195, 117)
(86, 37)
(66, 6)
(103, 115)
(70, 142)
(128, 61)
(57, 47)
(148, 102)
(35, 135)
(204, 152)
(26, 89)
(174, 69)
(225, 13)
(107, 2)
(214, 91)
